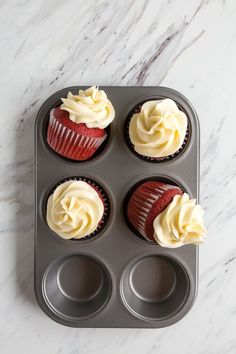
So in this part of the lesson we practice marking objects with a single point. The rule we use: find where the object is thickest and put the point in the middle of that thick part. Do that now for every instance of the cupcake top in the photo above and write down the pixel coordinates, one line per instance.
(180, 223)
(90, 107)
(74, 210)
(159, 129)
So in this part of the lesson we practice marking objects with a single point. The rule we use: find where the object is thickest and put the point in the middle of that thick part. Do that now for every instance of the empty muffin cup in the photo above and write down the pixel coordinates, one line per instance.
(156, 287)
(76, 287)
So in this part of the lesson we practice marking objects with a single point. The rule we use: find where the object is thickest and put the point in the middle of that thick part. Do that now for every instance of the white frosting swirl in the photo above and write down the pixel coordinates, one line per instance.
(90, 107)
(74, 210)
(159, 129)
(180, 223)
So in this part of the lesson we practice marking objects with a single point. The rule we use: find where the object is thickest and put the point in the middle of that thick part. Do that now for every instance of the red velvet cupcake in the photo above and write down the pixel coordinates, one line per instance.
(71, 140)
(76, 129)
(149, 200)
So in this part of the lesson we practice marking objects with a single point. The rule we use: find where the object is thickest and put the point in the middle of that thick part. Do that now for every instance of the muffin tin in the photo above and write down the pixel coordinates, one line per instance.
(116, 278)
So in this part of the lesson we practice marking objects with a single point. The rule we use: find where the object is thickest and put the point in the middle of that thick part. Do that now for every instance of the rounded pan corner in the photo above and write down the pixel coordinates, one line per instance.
(180, 315)
(46, 310)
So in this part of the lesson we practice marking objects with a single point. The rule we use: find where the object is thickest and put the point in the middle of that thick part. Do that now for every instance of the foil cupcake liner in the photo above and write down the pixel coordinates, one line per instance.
(106, 202)
(69, 143)
(137, 109)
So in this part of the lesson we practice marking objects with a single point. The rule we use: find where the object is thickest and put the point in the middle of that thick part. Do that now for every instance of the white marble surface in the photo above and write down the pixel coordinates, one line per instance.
(187, 45)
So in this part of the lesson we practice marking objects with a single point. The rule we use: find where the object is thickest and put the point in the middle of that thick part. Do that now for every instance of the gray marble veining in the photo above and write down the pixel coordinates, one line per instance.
(187, 45)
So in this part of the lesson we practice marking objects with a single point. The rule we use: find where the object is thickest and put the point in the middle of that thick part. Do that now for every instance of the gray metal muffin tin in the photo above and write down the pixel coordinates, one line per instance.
(115, 279)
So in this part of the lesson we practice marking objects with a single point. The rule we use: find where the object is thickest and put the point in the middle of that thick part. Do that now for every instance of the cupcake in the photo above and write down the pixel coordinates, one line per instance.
(76, 129)
(163, 213)
(76, 209)
(157, 130)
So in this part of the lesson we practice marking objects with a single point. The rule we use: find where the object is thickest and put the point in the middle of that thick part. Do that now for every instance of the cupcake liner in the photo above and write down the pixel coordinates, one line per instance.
(137, 109)
(103, 196)
(70, 143)
(141, 205)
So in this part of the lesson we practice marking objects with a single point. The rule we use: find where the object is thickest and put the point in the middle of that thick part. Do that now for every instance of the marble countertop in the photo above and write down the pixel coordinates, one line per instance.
(186, 45)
